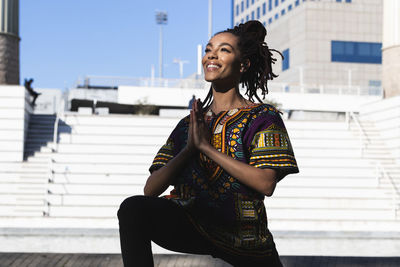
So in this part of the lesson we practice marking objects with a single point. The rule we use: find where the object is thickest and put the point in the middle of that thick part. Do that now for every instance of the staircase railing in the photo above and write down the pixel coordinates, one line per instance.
(54, 149)
(381, 174)
(363, 138)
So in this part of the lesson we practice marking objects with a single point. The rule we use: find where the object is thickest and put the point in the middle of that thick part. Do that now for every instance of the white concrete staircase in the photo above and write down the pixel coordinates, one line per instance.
(101, 160)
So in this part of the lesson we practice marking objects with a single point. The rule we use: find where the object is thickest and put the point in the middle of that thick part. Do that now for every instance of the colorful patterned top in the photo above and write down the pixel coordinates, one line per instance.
(226, 211)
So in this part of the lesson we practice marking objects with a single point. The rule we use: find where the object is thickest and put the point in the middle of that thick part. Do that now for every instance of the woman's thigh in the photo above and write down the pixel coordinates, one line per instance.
(167, 225)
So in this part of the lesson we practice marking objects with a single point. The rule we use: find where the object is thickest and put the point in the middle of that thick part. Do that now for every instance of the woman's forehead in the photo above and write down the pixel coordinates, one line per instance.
(223, 37)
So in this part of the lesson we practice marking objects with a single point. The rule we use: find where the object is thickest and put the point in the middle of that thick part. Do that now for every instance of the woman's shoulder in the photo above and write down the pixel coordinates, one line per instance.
(264, 109)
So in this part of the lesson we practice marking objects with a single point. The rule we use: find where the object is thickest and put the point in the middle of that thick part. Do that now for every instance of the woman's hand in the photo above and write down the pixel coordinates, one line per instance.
(199, 134)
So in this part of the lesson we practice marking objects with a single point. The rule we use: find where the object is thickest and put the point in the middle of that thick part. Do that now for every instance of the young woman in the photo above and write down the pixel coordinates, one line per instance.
(223, 160)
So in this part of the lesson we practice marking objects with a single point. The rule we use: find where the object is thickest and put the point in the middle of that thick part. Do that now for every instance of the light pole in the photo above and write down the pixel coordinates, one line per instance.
(209, 19)
(161, 19)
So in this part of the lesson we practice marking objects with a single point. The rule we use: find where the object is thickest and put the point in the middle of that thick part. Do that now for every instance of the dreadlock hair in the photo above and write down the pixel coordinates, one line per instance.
(252, 47)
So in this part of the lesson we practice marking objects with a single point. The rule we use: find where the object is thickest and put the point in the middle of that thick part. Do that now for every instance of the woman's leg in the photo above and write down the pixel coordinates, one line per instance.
(143, 219)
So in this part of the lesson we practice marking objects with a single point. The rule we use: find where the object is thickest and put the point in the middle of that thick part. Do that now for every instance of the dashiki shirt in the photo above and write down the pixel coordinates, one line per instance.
(225, 211)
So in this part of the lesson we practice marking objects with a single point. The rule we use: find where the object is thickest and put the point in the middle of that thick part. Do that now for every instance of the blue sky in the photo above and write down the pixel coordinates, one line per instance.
(66, 39)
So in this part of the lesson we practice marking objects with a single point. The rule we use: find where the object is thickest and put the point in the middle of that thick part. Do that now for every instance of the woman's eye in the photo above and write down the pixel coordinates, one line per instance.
(225, 50)
(207, 50)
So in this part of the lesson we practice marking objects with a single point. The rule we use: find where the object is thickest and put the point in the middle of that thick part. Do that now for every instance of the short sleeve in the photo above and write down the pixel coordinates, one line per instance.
(270, 145)
(175, 142)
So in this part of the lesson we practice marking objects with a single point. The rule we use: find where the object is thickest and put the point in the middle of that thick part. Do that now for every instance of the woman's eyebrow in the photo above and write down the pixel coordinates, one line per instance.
(221, 44)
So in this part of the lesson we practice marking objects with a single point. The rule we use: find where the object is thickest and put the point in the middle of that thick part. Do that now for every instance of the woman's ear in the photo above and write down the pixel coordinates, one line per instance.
(244, 66)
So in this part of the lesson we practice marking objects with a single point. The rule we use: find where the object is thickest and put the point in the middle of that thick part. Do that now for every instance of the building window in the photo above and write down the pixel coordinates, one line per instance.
(264, 23)
(286, 60)
(258, 12)
(276, 16)
(247, 18)
(375, 83)
(269, 20)
(276, 3)
(252, 2)
(252, 15)
(283, 12)
(237, 10)
(269, 5)
(339, 1)
(282, 1)
(242, 6)
(247, 3)
(348, 1)
(297, 3)
(242, 21)
(264, 6)
(356, 52)
(289, 7)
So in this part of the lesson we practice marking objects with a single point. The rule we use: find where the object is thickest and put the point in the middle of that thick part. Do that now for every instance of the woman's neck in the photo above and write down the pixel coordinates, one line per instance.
(227, 99)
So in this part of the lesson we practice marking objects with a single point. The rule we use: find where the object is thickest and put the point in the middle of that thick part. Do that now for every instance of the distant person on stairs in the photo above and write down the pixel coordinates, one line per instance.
(222, 159)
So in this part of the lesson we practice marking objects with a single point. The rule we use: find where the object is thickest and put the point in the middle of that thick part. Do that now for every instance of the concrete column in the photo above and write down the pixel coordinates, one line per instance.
(9, 41)
(391, 48)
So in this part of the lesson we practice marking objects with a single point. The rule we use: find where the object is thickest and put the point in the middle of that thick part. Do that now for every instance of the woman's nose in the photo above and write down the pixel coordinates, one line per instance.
(212, 54)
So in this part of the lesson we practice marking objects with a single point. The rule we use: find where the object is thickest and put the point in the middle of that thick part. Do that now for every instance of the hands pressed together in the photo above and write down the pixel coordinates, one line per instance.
(199, 133)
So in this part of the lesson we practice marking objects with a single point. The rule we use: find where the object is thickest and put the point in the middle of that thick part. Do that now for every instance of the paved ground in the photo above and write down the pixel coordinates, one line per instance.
(114, 260)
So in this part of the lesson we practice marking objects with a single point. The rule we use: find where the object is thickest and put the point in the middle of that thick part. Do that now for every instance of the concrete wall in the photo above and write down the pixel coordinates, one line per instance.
(287, 101)
(14, 119)
(386, 115)
(391, 48)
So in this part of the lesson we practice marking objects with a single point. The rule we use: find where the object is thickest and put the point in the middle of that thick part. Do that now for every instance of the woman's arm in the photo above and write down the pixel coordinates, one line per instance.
(160, 179)
(262, 180)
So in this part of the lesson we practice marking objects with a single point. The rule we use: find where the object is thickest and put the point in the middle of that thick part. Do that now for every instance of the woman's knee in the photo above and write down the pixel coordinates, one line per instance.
(131, 206)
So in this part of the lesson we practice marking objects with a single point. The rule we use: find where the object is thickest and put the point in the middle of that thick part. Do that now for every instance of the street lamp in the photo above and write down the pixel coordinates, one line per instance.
(161, 19)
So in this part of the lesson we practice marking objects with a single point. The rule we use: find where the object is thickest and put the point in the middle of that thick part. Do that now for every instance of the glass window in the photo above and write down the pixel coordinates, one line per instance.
(258, 12)
(247, 18)
(247, 3)
(348, 1)
(356, 52)
(364, 49)
(264, 8)
(338, 1)
(252, 15)
(376, 49)
(297, 3)
(348, 48)
(242, 21)
(252, 2)
(286, 60)
(237, 10)
(276, 3)
(283, 12)
(264, 23)
(242, 6)
(289, 7)
(276, 16)
(269, 5)
(282, 1)
(269, 20)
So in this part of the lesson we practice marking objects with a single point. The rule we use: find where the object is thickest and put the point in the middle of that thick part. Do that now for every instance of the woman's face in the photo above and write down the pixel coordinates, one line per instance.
(221, 61)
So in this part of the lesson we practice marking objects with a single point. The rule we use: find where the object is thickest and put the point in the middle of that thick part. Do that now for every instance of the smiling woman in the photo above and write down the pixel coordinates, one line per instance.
(223, 160)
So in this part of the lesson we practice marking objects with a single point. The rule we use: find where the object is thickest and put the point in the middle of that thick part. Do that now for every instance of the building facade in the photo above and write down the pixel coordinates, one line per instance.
(324, 42)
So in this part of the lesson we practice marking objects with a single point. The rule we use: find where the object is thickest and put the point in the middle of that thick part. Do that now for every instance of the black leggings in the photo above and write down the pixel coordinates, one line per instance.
(143, 219)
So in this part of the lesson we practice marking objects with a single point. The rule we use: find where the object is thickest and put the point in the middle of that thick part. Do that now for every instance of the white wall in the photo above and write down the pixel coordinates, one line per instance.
(386, 115)
(14, 119)
(288, 101)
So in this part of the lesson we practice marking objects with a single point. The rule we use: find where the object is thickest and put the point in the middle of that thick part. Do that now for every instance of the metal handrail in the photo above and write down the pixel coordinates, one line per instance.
(54, 149)
(381, 173)
(364, 140)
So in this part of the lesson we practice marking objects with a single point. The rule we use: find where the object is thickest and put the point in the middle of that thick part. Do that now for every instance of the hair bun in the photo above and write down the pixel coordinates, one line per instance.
(254, 28)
